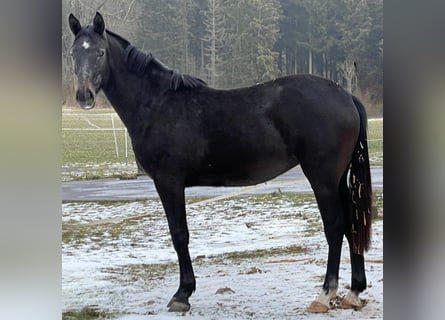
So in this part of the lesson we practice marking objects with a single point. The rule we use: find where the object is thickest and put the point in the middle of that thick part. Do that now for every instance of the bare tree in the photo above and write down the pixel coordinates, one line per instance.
(348, 71)
(214, 40)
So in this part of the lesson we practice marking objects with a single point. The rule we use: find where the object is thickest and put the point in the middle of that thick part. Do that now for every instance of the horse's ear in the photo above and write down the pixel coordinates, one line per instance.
(74, 24)
(98, 23)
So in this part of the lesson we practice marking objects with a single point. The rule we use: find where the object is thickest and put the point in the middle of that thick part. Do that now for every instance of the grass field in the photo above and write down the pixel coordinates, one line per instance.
(91, 152)
(375, 141)
(91, 145)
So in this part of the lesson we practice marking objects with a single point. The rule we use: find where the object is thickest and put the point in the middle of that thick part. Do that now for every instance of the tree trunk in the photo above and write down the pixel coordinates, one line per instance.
(348, 72)
(310, 61)
(203, 73)
(296, 59)
(325, 72)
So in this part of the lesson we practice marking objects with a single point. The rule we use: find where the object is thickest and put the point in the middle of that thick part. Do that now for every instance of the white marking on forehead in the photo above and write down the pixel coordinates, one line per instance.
(85, 44)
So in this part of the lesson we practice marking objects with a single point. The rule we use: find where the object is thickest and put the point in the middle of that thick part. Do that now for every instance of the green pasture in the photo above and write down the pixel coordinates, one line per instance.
(86, 144)
(375, 141)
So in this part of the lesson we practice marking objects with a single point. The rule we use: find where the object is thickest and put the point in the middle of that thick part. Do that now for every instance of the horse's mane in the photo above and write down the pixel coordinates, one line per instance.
(142, 64)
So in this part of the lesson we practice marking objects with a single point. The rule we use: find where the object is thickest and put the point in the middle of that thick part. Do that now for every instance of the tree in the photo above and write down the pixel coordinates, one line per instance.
(327, 37)
(214, 22)
(294, 41)
(265, 29)
(163, 30)
(252, 31)
(361, 36)
(236, 43)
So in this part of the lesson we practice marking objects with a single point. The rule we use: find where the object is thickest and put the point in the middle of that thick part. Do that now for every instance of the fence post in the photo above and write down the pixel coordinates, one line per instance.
(115, 139)
(126, 146)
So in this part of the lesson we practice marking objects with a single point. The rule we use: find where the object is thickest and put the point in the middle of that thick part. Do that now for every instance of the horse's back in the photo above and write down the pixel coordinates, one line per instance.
(280, 113)
(296, 98)
(310, 100)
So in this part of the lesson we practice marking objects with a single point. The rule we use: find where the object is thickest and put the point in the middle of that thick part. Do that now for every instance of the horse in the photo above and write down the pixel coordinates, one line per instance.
(185, 133)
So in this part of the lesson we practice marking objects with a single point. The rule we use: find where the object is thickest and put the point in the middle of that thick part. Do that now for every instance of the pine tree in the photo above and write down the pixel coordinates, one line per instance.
(253, 27)
(265, 29)
(164, 31)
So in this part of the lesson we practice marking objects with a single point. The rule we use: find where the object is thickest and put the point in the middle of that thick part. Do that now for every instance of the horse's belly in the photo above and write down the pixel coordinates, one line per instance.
(242, 175)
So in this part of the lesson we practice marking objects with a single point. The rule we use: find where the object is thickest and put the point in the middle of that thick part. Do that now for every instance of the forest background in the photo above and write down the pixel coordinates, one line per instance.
(237, 43)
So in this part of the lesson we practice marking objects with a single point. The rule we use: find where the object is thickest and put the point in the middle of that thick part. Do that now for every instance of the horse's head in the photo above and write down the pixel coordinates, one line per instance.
(90, 54)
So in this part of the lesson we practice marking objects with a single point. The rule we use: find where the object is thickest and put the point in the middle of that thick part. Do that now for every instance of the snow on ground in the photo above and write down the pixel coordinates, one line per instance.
(268, 256)
(79, 171)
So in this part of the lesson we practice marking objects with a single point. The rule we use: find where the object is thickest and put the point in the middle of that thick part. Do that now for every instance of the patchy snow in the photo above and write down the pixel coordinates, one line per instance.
(79, 171)
(129, 269)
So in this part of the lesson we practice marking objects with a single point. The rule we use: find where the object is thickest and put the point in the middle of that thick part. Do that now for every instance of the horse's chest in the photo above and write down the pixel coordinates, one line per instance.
(168, 151)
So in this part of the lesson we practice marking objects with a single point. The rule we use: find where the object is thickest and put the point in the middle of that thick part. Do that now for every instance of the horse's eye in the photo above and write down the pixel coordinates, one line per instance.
(101, 52)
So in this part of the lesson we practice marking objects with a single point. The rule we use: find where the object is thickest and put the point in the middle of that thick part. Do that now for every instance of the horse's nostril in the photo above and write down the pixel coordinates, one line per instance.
(84, 95)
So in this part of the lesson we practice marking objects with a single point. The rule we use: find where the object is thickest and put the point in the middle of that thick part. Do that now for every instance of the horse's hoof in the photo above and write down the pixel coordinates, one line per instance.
(176, 306)
(345, 304)
(317, 307)
(351, 301)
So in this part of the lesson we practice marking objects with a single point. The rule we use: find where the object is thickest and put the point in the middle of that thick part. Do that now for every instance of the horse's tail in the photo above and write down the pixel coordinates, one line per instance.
(360, 187)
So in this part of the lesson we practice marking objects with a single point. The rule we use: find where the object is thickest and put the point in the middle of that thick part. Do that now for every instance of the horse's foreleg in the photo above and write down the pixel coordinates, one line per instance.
(172, 197)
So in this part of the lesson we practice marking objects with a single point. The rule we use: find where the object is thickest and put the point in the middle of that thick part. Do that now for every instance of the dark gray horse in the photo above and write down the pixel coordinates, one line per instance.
(187, 134)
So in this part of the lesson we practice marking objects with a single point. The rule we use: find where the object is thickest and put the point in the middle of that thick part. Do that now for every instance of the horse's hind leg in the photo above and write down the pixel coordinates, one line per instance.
(358, 276)
(329, 203)
(325, 184)
(172, 197)
(358, 281)
(333, 201)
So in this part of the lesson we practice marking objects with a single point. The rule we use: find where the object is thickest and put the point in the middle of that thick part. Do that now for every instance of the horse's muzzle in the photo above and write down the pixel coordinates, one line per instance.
(85, 98)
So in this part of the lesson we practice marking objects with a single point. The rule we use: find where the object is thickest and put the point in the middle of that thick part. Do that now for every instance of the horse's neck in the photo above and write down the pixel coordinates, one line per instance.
(133, 95)
(129, 94)
(123, 99)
